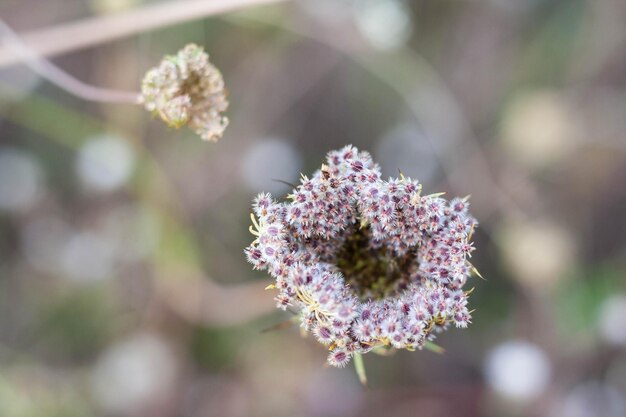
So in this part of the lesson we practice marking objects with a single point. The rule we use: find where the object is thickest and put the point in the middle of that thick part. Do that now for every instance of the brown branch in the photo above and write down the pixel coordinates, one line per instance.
(98, 30)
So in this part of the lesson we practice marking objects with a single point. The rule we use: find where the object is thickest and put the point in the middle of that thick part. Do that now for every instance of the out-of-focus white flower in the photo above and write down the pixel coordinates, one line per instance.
(269, 160)
(517, 370)
(20, 180)
(612, 320)
(538, 128)
(539, 253)
(386, 24)
(133, 373)
(52, 246)
(105, 163)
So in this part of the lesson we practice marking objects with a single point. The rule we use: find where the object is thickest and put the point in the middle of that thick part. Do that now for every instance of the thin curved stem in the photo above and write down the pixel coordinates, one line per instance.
(57, 76)
(34, 47)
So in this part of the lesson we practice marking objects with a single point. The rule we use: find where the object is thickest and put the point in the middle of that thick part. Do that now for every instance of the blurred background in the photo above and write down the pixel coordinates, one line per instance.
(124, 290)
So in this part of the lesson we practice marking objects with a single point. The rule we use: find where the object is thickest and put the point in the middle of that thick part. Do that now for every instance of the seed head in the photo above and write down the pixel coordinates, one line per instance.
(187, 90)
(368, 263)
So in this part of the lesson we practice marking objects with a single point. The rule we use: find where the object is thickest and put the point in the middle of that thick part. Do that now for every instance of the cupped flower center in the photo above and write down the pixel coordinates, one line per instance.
(371, 268)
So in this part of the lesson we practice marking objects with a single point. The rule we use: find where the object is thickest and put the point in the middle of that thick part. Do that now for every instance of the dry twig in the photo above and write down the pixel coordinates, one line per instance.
(101, 29)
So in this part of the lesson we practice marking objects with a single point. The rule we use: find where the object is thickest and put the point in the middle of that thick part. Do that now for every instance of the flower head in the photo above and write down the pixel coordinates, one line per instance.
(368, 263)
(186, 89)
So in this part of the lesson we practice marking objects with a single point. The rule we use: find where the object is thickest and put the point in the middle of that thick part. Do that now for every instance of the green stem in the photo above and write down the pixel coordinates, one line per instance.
(359, 366)
(434, 347)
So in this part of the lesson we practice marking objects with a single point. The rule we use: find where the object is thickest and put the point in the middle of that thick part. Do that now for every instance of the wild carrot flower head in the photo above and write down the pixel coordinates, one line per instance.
(186, 89)
(368, 263)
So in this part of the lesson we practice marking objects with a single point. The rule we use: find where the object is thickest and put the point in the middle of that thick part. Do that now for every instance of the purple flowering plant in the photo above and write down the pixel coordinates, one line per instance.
(368, 264)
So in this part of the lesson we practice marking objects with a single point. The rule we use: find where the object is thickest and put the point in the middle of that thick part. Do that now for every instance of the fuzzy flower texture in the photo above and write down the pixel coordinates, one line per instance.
(186, 89)
(369, 264)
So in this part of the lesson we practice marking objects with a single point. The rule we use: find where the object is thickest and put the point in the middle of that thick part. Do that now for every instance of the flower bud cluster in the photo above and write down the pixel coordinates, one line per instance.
(186, 89)
(368, 263)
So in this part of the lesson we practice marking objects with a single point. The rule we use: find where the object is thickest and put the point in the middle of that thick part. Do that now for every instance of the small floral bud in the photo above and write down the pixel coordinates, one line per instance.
(339, 357)
(187, 90)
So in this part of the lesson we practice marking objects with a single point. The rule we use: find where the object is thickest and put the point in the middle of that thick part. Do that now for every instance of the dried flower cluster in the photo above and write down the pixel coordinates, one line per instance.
(368, 263)
(186, 89)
